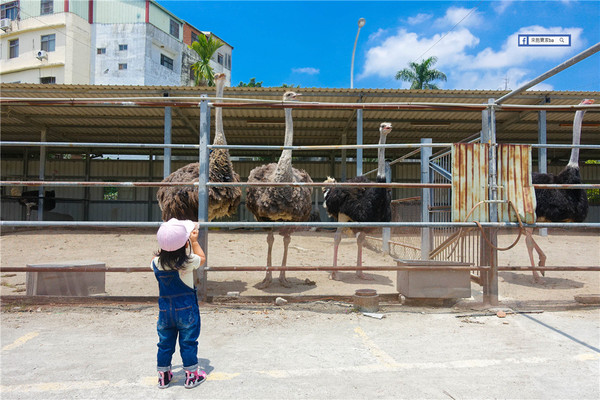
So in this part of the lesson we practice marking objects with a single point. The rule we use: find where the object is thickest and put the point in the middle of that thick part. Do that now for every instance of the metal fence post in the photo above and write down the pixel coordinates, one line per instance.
(359, 141)
(42, 175)
(203, 159)
(542, 151)
(492, 279)
(386, 233)
(167, 154)
(425, 199)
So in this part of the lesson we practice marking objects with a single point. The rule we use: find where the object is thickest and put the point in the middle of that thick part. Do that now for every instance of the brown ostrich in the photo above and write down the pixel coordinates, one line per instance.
(181, 202)
(280, 203)
(559, 205)
(360, 204)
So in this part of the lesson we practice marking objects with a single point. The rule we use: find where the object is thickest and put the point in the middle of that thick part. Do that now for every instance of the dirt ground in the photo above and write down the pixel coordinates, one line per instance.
(129, 248)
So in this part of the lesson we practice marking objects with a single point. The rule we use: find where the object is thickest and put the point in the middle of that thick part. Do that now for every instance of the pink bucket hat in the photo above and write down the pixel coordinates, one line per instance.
(173, 234)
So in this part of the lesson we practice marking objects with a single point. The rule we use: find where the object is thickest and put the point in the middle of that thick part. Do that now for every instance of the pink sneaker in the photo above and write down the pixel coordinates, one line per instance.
(194, 378)
(164, 379)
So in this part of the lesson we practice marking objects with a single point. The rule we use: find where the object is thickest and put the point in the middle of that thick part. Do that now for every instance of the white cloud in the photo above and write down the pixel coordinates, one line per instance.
(418, 19)
(395, 52)
(501, 6)
(512, 55)
(466, 16)
(500, 79)
(306, 70)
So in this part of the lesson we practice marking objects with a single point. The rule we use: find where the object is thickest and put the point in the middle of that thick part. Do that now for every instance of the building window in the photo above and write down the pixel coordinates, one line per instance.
(48, 79)
(227, 61)
(46, 7)
(174, 28)
(166, 61)
(192, 74)
(48, 42)
(194, 37)
(122, 47)
(14, 48)
(10, 10)
(220, 58)
(101, 50)
(123, 66)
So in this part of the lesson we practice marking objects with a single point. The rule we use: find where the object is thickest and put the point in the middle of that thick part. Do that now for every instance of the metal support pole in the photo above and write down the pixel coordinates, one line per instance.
(344, 165)
(542, 151)
(42, 175)
(167, 154)
(359, 141)
(86, 191)
(386, 233)
(491, 297)
(25, 174)
(425, 199)
(150, 178)
(203, 159)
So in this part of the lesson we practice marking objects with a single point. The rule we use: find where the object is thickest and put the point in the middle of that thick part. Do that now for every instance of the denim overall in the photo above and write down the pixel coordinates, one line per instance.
(178, 314)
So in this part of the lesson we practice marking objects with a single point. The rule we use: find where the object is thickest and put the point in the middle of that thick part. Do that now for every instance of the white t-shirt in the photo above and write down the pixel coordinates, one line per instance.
(185, 274)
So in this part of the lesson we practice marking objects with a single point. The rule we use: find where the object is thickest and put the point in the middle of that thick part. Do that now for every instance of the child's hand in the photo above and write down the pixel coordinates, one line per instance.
(194, 235)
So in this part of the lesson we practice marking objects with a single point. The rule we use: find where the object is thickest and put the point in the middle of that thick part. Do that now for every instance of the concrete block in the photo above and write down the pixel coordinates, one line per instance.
(66, 283)
(434, 284)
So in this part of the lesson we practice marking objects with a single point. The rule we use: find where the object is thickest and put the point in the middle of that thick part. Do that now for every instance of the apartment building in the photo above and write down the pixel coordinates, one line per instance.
(101, 42)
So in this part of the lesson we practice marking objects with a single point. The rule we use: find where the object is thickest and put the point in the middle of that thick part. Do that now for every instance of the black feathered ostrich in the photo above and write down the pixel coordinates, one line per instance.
(360, 204)
(30, 200)
(181, 202)
(277, 203)
(559, 205)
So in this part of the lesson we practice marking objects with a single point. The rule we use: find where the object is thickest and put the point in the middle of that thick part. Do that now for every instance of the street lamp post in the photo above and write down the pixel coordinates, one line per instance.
(361, 23)
(359, 113)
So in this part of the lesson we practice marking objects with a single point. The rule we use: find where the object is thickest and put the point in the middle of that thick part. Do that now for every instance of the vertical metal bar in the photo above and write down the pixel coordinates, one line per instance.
(425, 199)
(344, 155)
(167, 153)
(150, 179)
(359, 141)
(25, 175)
(542, 151)
(87, 190)
(42, 175)
(203, 159)
(386, 233)
(492, 297)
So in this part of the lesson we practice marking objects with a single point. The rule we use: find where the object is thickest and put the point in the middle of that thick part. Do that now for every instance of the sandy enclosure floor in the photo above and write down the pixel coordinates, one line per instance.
(129, 248)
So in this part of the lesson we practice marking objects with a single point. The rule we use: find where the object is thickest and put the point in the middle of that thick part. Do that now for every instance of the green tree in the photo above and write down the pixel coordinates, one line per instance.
(251, 83)
(206, 48)
(420, 75)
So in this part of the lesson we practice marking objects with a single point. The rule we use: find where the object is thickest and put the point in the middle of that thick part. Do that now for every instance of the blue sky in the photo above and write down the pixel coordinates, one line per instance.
(309, 43)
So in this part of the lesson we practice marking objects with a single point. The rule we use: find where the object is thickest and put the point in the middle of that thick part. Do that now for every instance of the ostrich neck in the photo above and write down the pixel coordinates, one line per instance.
(577, 121)
(219, 134)
(381, 157)
(283, 173)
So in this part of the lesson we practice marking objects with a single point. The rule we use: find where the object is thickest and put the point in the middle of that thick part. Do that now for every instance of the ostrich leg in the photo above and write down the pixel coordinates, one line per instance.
(531, 244)
(286, 242)
(336, 243)
(360, 238)
(268, 278)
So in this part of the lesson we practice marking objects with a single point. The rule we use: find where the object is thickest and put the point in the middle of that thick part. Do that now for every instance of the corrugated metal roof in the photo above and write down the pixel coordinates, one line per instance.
(255, 125)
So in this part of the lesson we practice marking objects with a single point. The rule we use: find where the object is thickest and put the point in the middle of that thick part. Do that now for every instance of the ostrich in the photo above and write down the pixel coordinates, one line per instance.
(559, 205)
(360, 204)
(182, 202)
(270, 203)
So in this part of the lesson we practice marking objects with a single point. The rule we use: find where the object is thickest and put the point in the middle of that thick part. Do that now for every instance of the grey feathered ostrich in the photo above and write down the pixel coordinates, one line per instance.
(559, 205)
(181, 202)
(360, 204)
(280, 203)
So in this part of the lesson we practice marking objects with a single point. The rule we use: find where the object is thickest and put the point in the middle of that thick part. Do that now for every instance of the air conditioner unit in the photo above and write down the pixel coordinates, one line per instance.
(42, 54)
(5, 24)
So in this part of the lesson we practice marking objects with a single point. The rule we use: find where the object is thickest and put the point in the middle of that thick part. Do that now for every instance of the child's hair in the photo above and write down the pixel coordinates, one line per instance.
(173, 259)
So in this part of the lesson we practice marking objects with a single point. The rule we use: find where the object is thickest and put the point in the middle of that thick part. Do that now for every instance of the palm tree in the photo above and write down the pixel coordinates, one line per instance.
(420, 74)
(205, 47)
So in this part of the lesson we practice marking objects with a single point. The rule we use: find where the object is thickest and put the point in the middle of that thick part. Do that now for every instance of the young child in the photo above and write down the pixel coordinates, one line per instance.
(177, 303)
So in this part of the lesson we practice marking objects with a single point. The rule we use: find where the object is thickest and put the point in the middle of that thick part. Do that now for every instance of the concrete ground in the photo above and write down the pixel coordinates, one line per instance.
(320, 350)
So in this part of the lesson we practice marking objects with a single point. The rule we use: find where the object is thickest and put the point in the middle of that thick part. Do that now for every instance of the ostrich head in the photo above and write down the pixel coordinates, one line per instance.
(220, 76)
(290, 96)
(385, 128)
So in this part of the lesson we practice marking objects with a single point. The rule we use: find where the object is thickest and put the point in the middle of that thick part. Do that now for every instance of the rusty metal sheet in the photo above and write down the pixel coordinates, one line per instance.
(470, 163)
(514, 179)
